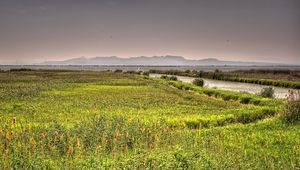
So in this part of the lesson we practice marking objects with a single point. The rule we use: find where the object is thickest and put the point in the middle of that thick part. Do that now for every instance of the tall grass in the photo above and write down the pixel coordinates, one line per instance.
(291, 111)
(92, 120)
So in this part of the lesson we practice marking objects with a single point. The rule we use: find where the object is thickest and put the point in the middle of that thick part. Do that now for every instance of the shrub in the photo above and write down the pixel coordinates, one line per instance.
(198, 82)
(118, 71)
(252, 117)
(245, 100)
(163, 77)
(187, 71)
(226, 97)
(131, 72)
(217, 71)
(291, 111)
(209, 92)
(255, 101)
(20, 69)
(201, 73)
(187, 87)
(145, 73)
(174, 78)
(267, 92)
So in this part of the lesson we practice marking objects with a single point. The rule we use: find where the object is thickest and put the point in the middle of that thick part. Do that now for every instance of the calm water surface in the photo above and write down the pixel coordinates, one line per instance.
(279, 92)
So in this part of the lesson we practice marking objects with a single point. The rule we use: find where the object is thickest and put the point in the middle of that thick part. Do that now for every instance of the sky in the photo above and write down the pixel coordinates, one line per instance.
(33, 31)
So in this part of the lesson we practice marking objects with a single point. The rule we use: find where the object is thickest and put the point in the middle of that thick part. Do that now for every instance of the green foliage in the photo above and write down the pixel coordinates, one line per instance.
(244, 98)
(118, 71)
(291, 112)
(267, 92)
(240, 76)
(173, 78)
(198, 82)
(145, 73)
(131, 72)
(20, 69)
(263, 113)
(87, 120)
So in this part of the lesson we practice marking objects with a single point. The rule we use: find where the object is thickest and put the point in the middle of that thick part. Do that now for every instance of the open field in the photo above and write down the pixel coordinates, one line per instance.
(97, 120)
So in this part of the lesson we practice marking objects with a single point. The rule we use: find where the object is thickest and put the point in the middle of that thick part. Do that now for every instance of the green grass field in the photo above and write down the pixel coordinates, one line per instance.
(105, 120)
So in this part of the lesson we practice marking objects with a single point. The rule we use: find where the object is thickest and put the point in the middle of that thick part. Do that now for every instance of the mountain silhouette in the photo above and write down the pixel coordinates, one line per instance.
(150, 61)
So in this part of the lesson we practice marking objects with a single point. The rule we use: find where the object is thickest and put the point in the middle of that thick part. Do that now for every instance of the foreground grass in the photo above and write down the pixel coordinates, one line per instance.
(97, 120)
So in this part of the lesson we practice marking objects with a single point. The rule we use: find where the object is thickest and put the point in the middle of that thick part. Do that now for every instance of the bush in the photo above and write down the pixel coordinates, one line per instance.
(163, 77)
(255, 101)
(209, 92)
(20, 69)
(245, 100)
(145, 73)
(187, 71)
(118, 71)
(252, 117)
(291, 111)
(174, 78)
(267, 92)
(131, 72)
(198, 82)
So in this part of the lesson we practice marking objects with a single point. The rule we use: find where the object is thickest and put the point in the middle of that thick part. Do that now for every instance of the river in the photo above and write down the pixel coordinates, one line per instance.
(279, 92)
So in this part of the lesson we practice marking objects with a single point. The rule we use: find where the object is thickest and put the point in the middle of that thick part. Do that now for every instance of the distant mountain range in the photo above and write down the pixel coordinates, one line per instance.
(151, 61)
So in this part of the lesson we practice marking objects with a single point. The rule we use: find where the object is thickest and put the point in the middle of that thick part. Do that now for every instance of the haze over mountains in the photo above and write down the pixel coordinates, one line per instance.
(151, 61)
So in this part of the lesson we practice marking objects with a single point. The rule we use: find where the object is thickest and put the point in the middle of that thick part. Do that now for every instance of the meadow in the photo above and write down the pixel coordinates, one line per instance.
(55, 119)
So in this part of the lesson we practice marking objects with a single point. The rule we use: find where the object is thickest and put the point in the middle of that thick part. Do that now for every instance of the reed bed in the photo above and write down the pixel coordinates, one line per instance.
(115, 120)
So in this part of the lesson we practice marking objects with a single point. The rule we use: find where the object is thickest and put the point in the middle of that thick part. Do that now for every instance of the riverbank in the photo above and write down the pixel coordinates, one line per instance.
(234, 86)
(230, 76)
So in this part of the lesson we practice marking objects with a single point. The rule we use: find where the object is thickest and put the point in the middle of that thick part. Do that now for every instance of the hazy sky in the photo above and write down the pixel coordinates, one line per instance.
(249, 30)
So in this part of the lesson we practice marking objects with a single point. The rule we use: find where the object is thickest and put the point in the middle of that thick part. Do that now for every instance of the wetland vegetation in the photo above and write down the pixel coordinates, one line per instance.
(55, 119)
(278, 78)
